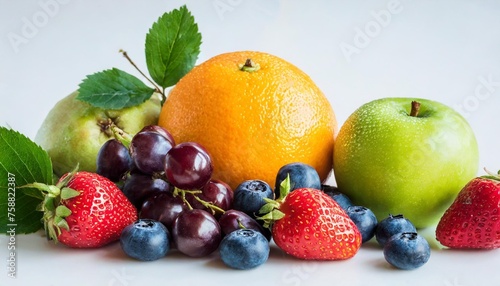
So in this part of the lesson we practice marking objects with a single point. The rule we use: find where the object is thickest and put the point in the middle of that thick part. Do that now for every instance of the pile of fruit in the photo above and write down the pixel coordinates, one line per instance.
(236, 157)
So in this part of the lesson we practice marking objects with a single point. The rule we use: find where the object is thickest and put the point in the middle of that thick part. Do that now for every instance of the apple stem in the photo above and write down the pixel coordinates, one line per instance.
(415, 107)
(157, 88)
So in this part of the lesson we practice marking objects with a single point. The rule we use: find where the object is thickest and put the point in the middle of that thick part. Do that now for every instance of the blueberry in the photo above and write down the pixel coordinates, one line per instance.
(339, 197)
(407, 250)
(392, 225)
(365, 220)
(249, 196)
(244, 249)
(301, 176)
(145, 240)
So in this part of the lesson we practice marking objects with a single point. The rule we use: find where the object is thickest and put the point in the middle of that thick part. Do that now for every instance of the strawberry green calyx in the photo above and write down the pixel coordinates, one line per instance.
(54, 212)
(491, 175)
(270, 211)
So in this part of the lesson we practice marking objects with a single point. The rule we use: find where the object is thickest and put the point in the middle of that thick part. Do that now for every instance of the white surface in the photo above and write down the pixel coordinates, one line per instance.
(441, 50)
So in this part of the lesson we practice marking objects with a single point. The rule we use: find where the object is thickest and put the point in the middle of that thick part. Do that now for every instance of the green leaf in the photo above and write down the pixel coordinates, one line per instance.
(172, 46)
(113, 89)
(22, 162)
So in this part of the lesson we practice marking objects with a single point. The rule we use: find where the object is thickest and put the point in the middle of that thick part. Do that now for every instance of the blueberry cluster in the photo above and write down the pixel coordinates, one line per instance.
(403, 247)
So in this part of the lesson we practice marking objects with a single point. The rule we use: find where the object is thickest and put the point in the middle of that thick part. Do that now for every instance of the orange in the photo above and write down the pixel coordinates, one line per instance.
(252, 122)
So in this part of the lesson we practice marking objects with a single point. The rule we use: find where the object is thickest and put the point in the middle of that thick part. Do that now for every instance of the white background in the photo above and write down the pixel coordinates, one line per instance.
(356, 51)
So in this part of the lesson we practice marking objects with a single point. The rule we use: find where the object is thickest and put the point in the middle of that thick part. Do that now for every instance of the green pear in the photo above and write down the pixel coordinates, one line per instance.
(74, 131)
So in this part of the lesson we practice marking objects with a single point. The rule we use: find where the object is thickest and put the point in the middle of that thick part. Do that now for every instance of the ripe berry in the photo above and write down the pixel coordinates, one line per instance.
(301, 176)
(334, 193)
(249, 196)
(145, 240)
(244, 249)
(407, 250)
(392, 225)
(364, 219)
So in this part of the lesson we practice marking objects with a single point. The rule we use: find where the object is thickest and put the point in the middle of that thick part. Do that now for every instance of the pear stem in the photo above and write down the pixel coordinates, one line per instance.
(415, 108)
(121, 135)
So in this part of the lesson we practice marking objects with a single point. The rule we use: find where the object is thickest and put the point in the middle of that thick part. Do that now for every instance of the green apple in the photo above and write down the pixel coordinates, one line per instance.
(405, 156)
(74, 131)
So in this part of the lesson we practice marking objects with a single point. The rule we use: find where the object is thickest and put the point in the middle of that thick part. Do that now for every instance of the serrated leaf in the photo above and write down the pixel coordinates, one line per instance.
(22, 162)
(113, 89)
(172, 46)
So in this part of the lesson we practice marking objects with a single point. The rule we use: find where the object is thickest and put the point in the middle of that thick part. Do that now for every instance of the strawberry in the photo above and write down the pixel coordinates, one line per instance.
(473, 219)
(85, 210)
(308, 224)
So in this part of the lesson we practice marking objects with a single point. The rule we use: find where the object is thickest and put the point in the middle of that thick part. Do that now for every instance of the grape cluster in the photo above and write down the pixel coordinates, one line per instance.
(172, 184)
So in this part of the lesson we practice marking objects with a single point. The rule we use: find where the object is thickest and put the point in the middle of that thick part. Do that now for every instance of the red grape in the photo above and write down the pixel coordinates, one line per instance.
(113, 160)
(188, 166)
(196, 233)
(148, 151)
(163, 207)
(139, 187)
(160, 130)
(214, 192)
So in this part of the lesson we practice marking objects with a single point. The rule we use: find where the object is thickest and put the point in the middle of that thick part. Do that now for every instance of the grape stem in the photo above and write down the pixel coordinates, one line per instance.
(211, 206)
(179, 192)
(195, 193)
